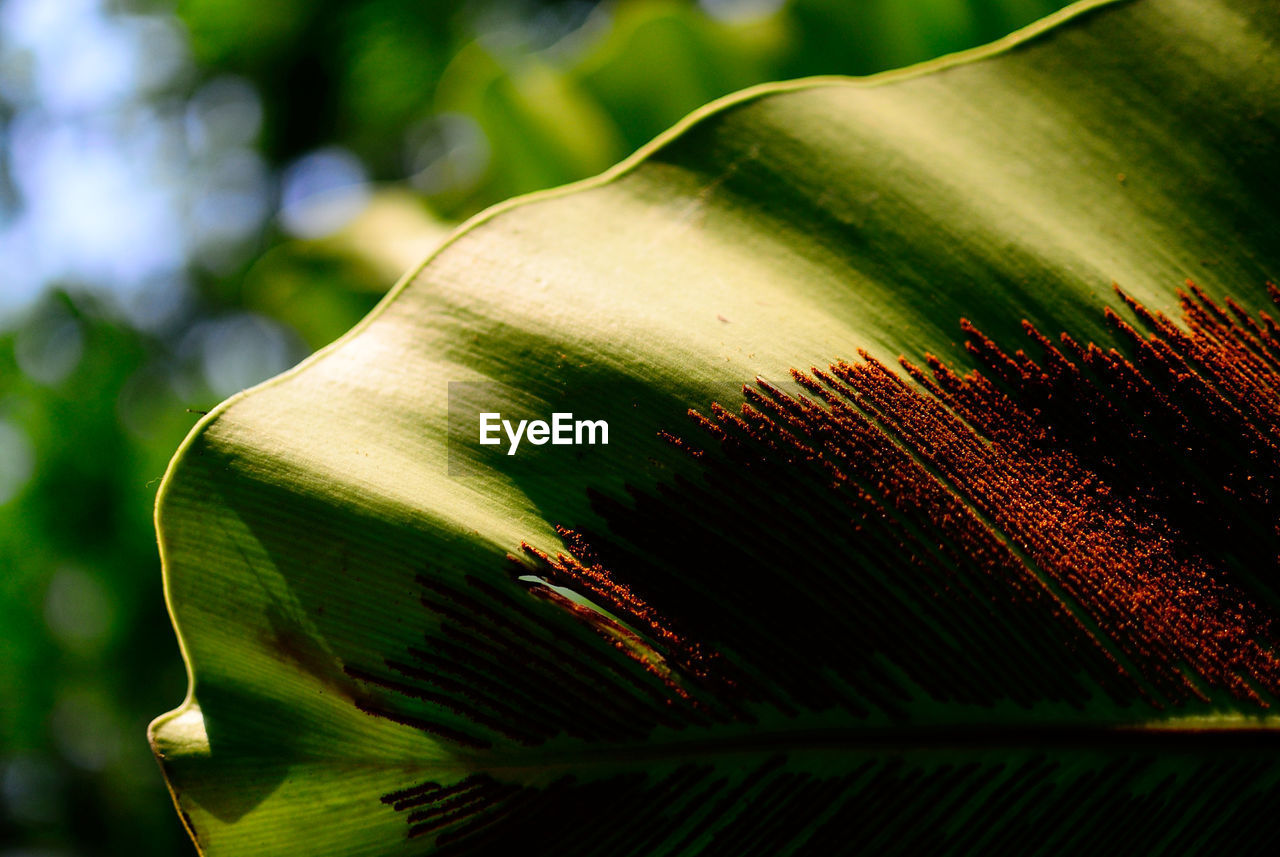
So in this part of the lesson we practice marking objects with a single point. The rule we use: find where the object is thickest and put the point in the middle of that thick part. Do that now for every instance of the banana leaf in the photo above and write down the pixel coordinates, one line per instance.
(936, 513)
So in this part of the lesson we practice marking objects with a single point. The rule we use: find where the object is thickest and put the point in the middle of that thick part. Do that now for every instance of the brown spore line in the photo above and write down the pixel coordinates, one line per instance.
(1069, 524)
(1091, 498)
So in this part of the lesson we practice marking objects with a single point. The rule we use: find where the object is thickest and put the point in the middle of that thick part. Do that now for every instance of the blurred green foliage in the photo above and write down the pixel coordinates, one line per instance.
(451, 105)
(556, 91)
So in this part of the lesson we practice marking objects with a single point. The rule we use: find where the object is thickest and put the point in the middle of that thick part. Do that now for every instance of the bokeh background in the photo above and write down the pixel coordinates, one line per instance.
(196, 194)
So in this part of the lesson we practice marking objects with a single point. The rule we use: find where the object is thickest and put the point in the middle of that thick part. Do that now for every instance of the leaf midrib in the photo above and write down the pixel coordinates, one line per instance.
(1165, 738)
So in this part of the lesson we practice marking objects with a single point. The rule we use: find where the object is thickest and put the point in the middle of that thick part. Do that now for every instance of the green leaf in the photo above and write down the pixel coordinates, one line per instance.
(868, 607)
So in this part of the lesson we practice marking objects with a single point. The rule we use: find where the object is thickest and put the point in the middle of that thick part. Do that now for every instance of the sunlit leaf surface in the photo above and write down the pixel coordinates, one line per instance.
(811, 598)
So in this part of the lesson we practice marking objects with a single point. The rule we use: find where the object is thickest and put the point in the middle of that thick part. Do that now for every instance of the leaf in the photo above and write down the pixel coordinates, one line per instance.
(853, 605)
